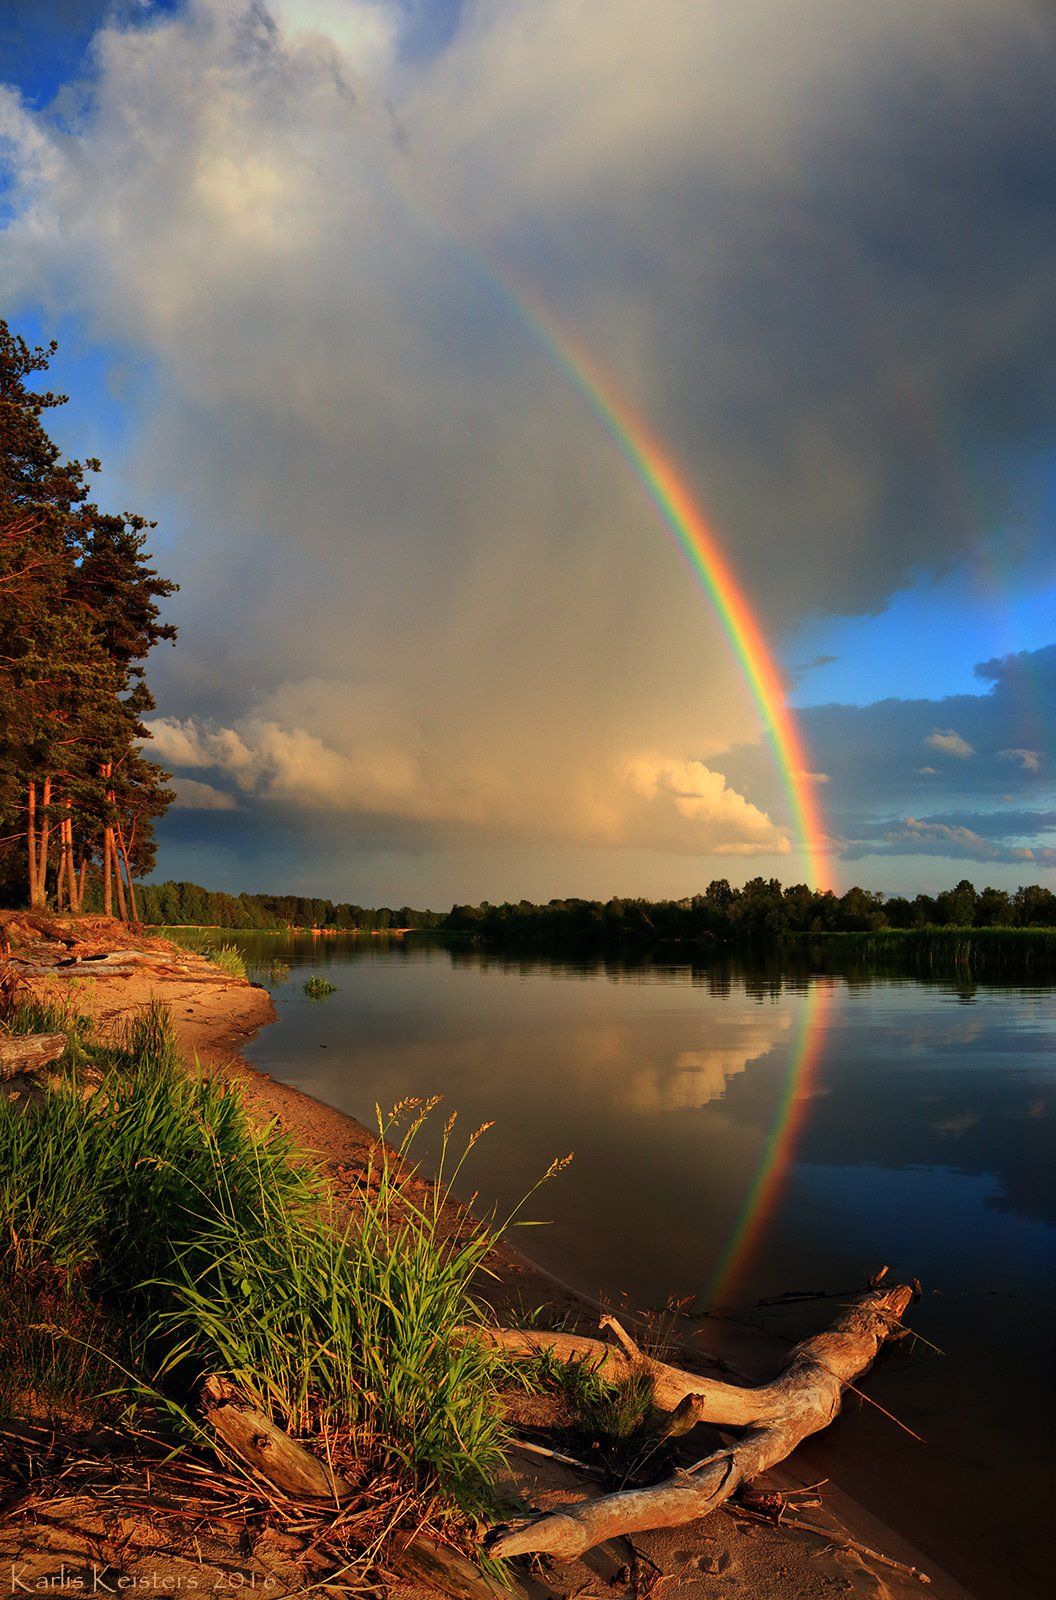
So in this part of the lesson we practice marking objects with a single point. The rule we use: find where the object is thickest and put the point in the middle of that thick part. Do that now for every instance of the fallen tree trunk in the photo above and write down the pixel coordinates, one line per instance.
(777, 1416)
(29, 1052)
(42, 969)
(292, 1469)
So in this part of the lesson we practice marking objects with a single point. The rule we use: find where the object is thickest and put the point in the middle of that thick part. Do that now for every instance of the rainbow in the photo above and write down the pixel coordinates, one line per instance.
(764, 1191)
(667, 488)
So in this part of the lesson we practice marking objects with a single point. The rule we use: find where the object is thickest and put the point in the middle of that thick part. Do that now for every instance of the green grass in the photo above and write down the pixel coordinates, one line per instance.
(620, 1411)
(353, 1326)
(217, 1246)
(227, 957)
(601, 1411)
(317, 988)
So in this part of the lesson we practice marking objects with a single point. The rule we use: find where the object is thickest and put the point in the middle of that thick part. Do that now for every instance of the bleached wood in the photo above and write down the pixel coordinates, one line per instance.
(777, 1416)
(28, 1052)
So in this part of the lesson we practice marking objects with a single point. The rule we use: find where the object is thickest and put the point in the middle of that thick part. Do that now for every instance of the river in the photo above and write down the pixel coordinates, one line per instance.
(745, 1132)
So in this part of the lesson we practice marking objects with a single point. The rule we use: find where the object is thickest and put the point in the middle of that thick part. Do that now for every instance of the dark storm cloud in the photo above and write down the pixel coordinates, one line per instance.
(854, 305)
(816, 243)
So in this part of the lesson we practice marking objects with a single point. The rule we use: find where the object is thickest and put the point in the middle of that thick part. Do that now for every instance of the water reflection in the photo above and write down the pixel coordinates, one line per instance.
(923, 1139)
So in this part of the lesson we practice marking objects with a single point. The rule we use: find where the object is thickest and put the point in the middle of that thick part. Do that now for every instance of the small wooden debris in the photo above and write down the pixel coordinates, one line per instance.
(28, 1052)
(256, 1440)
(293, 1470)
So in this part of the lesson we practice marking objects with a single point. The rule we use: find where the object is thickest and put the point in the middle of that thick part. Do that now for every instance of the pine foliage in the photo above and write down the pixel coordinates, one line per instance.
(79, 613)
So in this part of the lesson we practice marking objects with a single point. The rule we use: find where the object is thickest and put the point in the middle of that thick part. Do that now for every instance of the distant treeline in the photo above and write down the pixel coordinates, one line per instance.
(764, 910)
(178, 904)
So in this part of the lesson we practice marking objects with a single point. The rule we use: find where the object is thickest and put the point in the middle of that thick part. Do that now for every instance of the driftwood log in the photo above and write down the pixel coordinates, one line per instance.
(29, 1052)
(776, 1417)
(256, 1440)
(301, 1476)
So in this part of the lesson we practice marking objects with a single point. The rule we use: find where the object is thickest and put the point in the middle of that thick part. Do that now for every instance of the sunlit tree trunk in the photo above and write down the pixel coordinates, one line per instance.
(108, 856)
(122, 909)
(108, 882)
(61, 881)
(45, 836)
(71, 873)
(31, 840)
(128, 873)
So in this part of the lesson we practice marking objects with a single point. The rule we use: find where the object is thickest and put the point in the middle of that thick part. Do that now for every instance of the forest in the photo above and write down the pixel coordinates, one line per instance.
(762, 910)
(79, 613)
(189, 905)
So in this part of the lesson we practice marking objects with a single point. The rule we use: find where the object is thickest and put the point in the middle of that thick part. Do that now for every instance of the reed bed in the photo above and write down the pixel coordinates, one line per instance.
(317, 988)
(934, 952)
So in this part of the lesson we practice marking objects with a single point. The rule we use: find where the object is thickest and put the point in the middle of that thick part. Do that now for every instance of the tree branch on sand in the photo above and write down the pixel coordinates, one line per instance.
(776, 1417)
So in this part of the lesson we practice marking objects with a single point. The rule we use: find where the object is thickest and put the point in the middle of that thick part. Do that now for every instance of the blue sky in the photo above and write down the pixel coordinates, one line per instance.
(434, 644)
(933, 635)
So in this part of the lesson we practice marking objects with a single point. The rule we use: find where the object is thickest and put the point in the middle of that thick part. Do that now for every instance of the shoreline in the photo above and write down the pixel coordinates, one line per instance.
(216, 1016)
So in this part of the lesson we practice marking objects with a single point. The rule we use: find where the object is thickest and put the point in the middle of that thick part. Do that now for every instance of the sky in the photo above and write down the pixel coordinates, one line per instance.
(436, 642)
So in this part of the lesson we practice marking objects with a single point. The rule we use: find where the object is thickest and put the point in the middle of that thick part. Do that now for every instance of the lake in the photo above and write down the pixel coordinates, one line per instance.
(746, 1132)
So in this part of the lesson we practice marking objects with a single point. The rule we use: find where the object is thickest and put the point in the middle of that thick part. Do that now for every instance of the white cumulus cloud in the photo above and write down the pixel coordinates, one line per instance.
(950, 743)
(1029, 760)
(193, 795)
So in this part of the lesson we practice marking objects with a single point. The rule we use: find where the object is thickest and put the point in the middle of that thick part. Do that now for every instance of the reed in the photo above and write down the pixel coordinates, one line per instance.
(978, 952)
(317, 988)
(228, 957)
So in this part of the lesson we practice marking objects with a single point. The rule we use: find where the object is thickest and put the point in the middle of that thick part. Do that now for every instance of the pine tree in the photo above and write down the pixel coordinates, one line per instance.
(78, 616)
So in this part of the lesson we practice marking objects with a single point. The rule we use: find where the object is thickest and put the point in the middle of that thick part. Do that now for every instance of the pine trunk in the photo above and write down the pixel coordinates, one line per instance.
(31, 841)
(122, 909)
(61, 886)
(45, 836)
(128, 874)
(108, 882)
(71, 873)
(108, 851)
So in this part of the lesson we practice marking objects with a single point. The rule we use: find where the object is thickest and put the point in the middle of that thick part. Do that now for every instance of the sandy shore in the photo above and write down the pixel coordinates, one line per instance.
(214, 1016)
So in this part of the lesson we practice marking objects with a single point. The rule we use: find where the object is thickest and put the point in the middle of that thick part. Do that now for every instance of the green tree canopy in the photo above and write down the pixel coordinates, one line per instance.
(79, 613)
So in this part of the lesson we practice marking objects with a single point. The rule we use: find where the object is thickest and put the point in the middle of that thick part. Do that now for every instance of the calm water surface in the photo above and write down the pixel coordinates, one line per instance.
(924, 1140)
